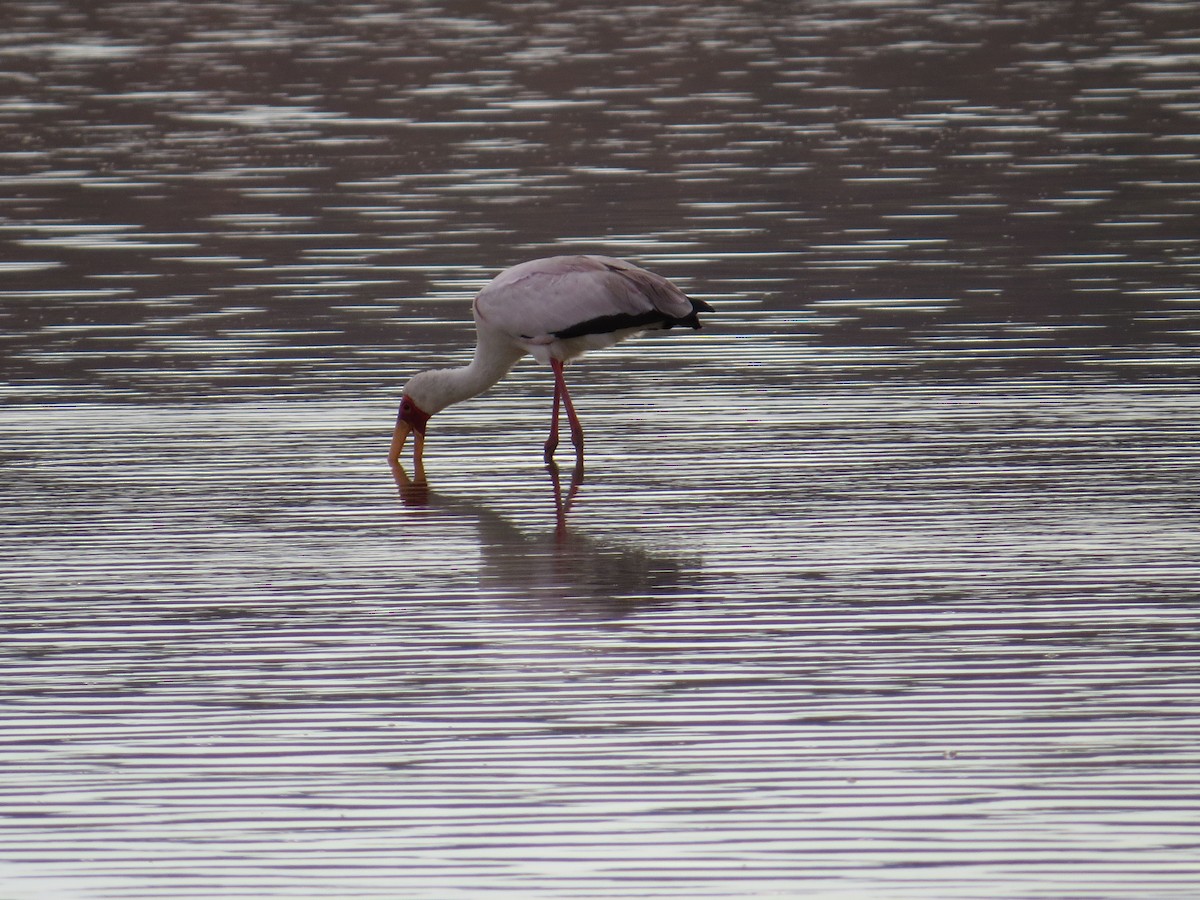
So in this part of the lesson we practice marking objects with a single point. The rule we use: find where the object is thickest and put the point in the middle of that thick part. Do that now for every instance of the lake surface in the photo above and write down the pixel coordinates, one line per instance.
(884, 584)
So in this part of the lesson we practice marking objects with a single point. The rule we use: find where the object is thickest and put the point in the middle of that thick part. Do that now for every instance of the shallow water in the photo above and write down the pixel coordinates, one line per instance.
(883, 584)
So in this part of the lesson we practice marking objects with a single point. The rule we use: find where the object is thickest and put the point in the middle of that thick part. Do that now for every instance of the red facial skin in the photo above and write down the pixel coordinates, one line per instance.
(413, 415)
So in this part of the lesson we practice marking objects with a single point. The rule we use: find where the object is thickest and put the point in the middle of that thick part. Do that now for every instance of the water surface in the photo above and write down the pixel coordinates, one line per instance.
(883, 584)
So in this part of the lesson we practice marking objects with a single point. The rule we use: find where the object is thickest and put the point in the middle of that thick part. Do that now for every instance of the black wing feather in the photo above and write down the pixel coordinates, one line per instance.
(649, 319)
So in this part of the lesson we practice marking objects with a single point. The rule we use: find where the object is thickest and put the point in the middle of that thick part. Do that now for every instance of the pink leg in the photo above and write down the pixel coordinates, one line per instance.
(562, 507)
(576, 428)
(552, 440)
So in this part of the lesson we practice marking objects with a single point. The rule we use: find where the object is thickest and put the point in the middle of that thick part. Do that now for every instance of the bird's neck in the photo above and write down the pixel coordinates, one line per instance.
(492, 361)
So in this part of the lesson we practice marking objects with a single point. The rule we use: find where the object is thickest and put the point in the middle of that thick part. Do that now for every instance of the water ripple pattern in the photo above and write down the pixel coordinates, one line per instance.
(881, 585)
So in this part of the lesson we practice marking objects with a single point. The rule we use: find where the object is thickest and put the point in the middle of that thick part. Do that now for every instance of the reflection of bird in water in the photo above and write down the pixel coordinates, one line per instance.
(562, 567)
(554, 309)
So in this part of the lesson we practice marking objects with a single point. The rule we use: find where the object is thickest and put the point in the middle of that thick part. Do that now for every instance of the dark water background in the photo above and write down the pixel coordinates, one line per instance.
(882, 585)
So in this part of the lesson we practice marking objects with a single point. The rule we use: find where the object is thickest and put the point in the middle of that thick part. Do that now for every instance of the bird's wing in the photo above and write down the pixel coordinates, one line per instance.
(658, 291)
(541, 299)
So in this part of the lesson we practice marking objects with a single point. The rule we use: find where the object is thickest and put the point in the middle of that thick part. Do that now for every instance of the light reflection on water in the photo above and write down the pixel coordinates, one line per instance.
(915, 627)
(881, 585)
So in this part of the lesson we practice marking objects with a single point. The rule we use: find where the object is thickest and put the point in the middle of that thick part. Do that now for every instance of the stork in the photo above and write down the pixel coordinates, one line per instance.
(554, 309)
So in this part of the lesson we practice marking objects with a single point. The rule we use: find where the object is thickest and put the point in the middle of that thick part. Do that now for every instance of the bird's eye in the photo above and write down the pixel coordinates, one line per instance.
(406, 404)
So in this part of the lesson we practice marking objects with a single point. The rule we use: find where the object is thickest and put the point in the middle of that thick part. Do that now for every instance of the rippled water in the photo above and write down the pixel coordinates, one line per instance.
(882, 585)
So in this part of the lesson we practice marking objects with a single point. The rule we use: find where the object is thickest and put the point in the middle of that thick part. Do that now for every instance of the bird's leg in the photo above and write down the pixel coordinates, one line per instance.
(552, 440)
(576, 428)
(561, 506)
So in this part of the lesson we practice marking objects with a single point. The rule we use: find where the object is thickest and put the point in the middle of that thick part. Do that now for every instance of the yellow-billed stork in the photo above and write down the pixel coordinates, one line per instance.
(554, 309)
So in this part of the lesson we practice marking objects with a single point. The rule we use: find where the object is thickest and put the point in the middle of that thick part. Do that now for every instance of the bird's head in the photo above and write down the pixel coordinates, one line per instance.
(419, 403)
(411, 419)
(412, 415)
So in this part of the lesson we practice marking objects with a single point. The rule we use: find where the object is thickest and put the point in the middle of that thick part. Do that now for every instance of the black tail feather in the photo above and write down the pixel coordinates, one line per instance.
(691, 320)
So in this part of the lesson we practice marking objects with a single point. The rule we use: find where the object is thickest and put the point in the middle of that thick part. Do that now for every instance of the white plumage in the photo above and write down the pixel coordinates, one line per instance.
(553, 309)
